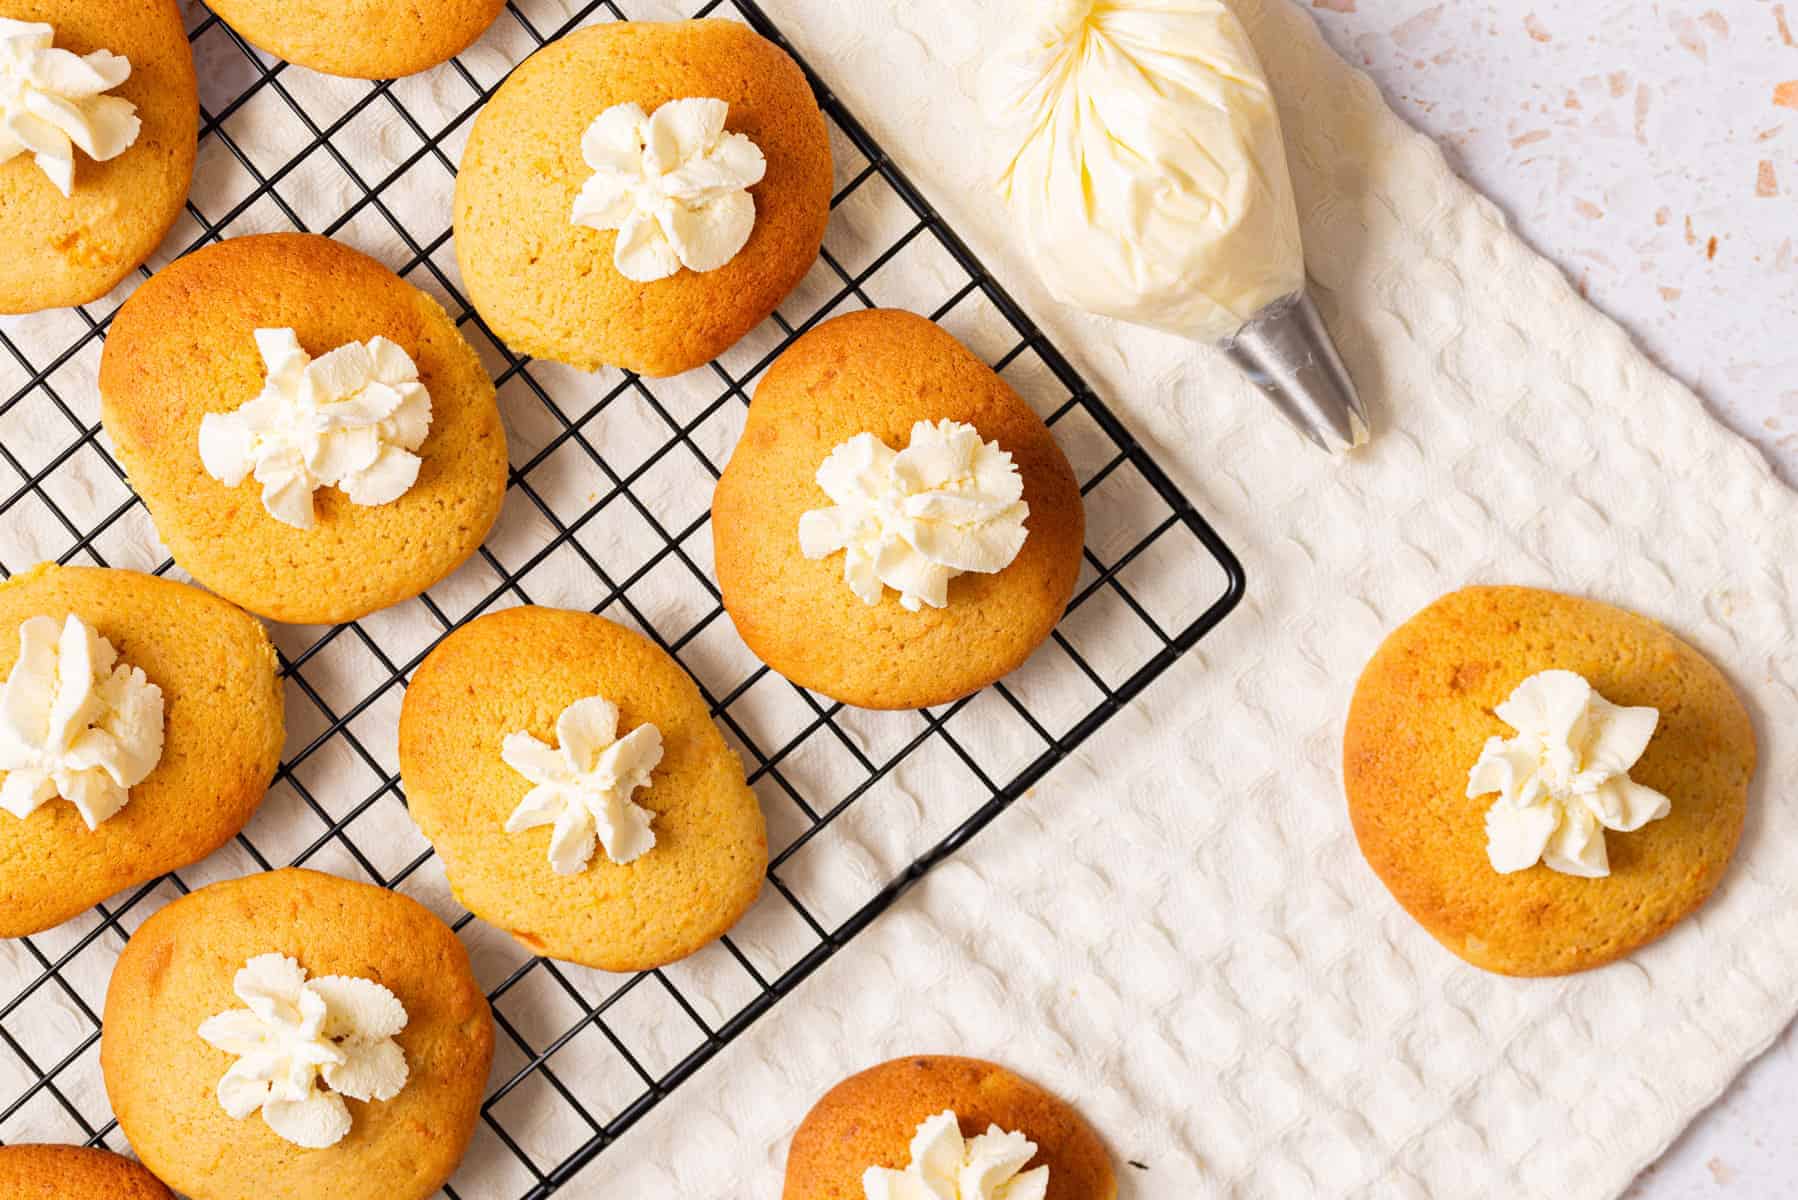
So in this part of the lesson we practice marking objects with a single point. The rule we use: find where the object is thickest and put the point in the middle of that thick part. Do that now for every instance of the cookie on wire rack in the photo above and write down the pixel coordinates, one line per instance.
(38, 1172)
(569, 774)
(361, 39)
(917, 1126)
(165, 759)
(312, 434)
(292, 1035)
(108, 179)
(896, 527)
(642, 194)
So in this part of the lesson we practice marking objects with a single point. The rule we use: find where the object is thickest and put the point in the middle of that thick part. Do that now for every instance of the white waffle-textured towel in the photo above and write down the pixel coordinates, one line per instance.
(1176, 930)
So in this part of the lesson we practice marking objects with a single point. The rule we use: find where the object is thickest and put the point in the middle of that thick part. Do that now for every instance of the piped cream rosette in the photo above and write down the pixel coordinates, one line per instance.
(53, 102)
(914, 519)
(582, 786)
(75, 722)
(946, 1166)
(353, 419)
(1564, 778)
(301, 1045)
(674, 185)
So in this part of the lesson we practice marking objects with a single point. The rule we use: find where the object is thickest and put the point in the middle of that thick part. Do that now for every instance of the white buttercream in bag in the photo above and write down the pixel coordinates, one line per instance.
(1149, 175)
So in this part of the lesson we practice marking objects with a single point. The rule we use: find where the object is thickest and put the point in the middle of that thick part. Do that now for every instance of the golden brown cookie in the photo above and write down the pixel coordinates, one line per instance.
(548, 287)
(879, 372)
(62, 250)
(178, 970)
(183, 346)
(74, 1173)
(868, 1120)
(515, 672)
(222, 725)
(363, 39)
(1421, 714)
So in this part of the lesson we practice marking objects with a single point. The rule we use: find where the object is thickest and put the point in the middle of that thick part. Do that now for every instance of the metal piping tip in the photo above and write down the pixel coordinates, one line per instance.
(1287, 353)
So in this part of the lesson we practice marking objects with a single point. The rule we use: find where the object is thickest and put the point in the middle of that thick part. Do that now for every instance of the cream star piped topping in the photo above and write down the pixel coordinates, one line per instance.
(353, 419)
(946, 1166)
(1564, 778)
(914, 519)
(302, 1045)
(674, 185)
(583, 786)
(75, 722)
(52, 102)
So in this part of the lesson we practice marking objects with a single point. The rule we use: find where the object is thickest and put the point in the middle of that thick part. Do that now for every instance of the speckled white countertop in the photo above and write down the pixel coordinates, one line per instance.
(1651, 149)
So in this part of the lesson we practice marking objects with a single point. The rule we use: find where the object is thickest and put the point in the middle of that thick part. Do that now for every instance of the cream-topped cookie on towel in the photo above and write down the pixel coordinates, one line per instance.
(1545, 782)
(99, 110)
(312, 434)
(945, 1128)
(141, 721)
(568, 773)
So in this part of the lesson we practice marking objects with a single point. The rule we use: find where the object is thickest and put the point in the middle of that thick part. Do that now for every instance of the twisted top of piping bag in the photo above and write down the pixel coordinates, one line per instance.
(1150, 182)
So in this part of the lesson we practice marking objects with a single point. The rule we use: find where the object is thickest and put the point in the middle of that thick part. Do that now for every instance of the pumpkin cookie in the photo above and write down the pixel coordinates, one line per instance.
(1544, 782)
(569, 774)
(108, 177)
(895, 1129)
(362, 39)
(896, 528)
(293, 1035)
(74, 1173)
(313, 436)
(166, 761)
(642, 194)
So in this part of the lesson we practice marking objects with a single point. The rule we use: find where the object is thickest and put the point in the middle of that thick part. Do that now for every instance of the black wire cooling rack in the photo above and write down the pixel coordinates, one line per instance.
(610, 482)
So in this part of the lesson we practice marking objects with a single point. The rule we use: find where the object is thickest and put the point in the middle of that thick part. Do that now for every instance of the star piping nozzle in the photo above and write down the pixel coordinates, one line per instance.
(1286, 351)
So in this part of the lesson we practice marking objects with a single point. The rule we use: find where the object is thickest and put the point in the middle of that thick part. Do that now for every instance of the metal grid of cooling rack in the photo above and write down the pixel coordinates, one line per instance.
(609, 486)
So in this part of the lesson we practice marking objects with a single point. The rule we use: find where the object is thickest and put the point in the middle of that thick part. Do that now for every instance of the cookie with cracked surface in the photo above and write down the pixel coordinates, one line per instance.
(362, 39)
(71, 249)
(518, 672)
(179, 969)
(550, 287)
(1421, 715)
(184, 346)
(222, 732)
(34, 1172)
(880, 372)
(869, 1120)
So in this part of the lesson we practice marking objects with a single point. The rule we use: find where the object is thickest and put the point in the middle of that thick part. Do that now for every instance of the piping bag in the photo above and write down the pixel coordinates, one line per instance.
(1150, 182)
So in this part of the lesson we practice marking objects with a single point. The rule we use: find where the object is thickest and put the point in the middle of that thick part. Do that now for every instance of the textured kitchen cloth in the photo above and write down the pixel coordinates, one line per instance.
(1175, 930)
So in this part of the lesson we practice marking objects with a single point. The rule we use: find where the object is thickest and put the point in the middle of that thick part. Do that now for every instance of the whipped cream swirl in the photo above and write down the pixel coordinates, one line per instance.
(583, 788)
(52, 102)
(75, 722)
(353, 419)
(674, 186)
(1564, 779)
(914, 519)
(945, 1166)
(302, 1045)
